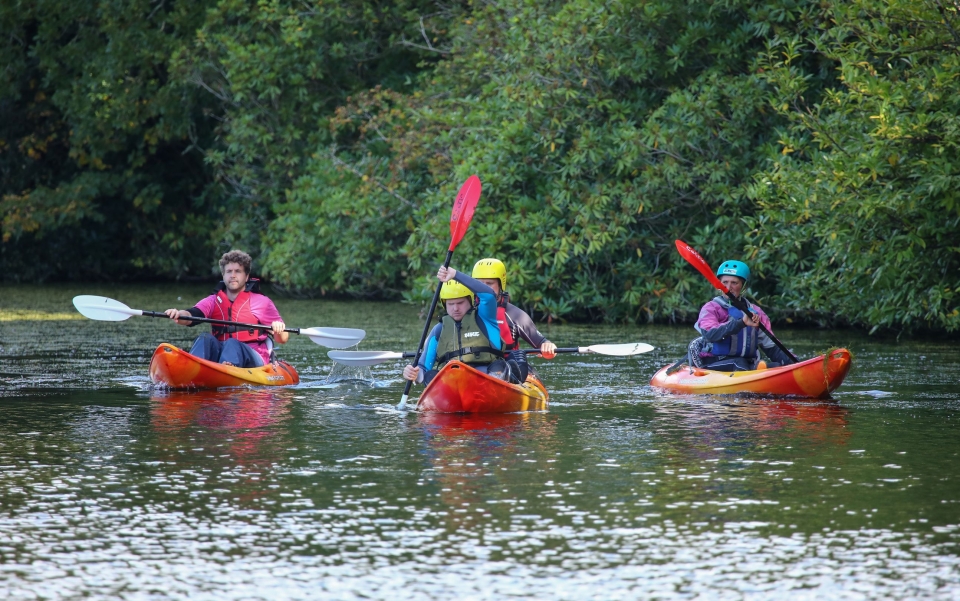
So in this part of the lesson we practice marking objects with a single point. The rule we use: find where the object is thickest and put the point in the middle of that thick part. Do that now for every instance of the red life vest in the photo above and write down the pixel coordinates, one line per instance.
(506, 332)
(236, 310)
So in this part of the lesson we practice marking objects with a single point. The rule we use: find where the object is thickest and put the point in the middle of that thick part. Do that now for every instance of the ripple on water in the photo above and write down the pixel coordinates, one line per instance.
(350, 552)
(109, 489)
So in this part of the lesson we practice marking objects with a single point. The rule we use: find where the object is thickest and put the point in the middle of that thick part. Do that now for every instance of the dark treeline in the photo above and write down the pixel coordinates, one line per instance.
(817, 140)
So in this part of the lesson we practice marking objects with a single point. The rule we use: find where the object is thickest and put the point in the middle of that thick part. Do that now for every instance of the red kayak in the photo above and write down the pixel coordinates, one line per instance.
(459, 388)
(813, 378)
(176, 368)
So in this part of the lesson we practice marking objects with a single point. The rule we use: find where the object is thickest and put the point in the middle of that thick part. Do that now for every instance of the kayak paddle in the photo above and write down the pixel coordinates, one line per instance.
(102, 308)
(366, 358)
(463, 207)
(693, 257)
(627, 349)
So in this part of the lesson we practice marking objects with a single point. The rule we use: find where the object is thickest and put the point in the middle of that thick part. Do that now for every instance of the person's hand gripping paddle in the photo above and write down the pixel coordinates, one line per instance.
(463, 209)
(102, 308)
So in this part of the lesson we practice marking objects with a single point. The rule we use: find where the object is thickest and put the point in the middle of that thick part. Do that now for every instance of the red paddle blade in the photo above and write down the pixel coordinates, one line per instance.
(693, 257)
(463, 209)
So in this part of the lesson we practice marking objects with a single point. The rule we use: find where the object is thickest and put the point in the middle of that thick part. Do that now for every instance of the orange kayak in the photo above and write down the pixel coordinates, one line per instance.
(176, 368)
(459, 388)
(813, 378)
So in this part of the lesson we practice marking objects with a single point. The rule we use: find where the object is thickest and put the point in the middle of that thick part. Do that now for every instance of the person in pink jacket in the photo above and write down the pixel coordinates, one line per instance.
(238, 299)
(730, 340)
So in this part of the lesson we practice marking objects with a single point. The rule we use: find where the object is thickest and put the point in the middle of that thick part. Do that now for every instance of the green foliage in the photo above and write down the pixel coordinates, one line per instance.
(601, 133)
(816, 139)
(98, 177)
(277, 70)
(860, 209)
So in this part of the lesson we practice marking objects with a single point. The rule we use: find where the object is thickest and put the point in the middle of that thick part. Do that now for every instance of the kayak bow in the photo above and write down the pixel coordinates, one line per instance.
(176, 368)
(459, 388)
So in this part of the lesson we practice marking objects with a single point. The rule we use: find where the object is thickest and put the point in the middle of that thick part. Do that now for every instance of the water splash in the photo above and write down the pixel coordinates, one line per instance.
(348, 373)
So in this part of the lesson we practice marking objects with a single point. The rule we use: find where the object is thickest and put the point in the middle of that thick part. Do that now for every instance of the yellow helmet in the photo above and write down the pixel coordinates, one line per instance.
(491, 269)
(454, 289)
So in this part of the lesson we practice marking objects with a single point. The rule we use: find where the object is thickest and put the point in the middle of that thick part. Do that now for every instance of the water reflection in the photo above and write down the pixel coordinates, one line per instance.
(109, 488)
(473, 425)
(824, 422)
(251, 424)
(481, 462)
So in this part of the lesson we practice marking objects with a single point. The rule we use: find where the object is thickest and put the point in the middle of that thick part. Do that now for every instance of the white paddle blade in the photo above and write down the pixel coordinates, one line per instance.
(363, 358)
(334, 337)
(618, 350)
(102, 308)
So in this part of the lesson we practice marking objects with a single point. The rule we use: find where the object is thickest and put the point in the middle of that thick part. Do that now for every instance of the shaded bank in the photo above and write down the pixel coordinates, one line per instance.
(813, 139)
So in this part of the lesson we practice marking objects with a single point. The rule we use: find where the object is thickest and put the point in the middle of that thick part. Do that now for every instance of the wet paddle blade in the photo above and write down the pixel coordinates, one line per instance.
(463, 208)
(334, 337)
(618, 350)
(102, 308)
(693, 257)
(364, 358)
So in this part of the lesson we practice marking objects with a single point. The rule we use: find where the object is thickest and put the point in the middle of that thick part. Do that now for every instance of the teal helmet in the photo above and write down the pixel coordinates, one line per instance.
(737, 268)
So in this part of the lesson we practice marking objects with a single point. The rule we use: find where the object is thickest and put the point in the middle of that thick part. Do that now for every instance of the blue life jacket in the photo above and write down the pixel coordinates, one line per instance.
(742, 344)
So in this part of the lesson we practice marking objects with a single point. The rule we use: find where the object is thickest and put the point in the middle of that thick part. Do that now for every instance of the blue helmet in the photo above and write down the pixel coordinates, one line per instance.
(736, 268)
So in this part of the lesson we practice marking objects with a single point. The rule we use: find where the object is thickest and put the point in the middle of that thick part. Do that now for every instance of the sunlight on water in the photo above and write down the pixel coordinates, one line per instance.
(27, 315)
(113, 488)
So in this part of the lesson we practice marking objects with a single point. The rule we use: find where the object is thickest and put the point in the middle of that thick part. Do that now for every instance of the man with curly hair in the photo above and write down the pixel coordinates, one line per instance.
(238, 299)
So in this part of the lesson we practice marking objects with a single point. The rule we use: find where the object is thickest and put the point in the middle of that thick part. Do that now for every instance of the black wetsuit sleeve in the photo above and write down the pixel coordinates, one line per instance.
(196, 313)
(525, 326)
(475, 286)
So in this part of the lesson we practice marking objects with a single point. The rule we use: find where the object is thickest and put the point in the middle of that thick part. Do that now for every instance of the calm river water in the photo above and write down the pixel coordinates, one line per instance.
(110, 489)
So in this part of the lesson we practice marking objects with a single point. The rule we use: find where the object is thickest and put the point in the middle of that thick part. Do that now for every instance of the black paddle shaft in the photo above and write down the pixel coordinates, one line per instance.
(536, 351)
(221, 322)
(741, 304)
(426, 325)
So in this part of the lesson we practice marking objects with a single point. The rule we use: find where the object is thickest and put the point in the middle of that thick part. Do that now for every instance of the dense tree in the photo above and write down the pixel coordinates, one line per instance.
(601, 132)
(278, 69)
(859, 213)
(100, 173)
(145, 135)
(816, 139)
